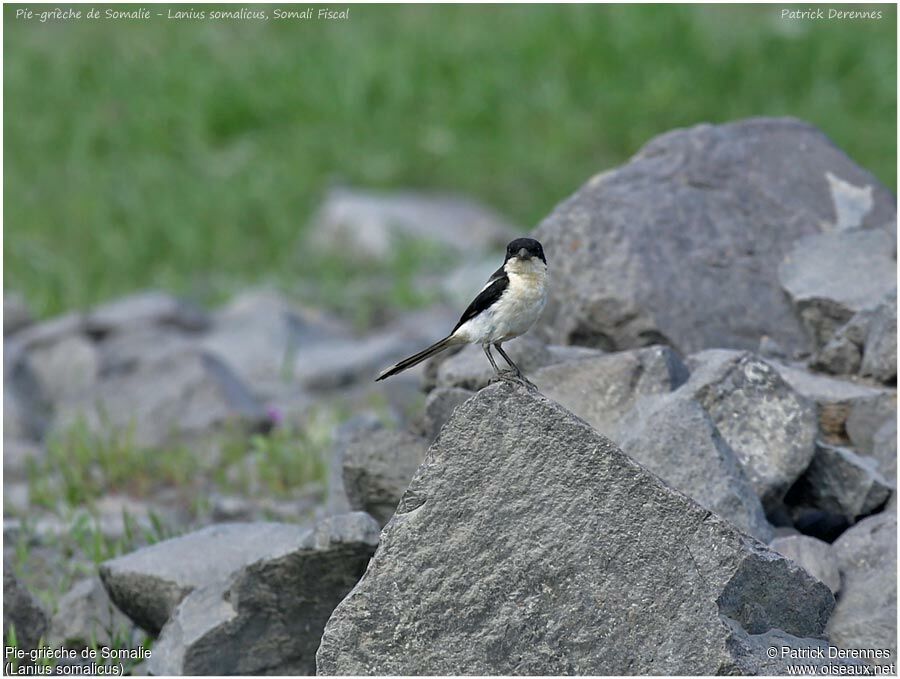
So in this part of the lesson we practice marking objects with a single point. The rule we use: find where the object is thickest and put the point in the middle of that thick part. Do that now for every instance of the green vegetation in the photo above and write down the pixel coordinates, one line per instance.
(189, 155)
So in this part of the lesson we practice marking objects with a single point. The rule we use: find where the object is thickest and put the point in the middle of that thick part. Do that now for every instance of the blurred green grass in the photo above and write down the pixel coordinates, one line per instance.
(190, 155)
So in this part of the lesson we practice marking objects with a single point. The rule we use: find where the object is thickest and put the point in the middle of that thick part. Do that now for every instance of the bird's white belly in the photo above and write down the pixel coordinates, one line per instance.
(512, 315)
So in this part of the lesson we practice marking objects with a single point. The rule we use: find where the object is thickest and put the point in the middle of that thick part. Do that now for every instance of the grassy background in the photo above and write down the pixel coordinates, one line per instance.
(190, 155)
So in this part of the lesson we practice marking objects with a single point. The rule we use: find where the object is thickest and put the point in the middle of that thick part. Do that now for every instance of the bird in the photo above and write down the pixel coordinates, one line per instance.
(508, 306)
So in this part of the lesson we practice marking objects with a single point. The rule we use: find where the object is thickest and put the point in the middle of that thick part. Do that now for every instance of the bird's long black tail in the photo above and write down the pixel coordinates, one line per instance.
(415, 359)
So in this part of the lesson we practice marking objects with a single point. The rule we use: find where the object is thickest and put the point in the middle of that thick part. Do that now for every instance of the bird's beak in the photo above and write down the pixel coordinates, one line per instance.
(523, 254)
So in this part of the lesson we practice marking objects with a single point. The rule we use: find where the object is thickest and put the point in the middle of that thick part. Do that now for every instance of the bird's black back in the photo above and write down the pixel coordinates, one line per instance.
(497, 283)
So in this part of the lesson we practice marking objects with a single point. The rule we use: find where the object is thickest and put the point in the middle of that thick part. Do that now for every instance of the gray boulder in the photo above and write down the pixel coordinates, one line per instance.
(268, 617)
(65, 370)
(866, 613)
(22, 611)
(85, 615)
(260, 334)
(439, 406)
(770, 427)
(841, 482)
(150, 307)
(813, 555)
(178, 397)
(681, 245)
(367, 223)
(674, 438)
(377, 467)
(359, 426)
(879, 359)
(602, 389)
(148, 584)
(525, 537)
(821, 274)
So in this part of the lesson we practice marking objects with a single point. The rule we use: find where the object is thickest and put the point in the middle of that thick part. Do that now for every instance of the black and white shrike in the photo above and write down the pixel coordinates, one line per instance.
(507, 306)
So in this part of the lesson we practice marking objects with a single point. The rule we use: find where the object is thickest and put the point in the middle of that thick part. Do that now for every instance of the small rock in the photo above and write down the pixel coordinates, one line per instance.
(770, 427)
(148, 584)
(439, 406)
(23, 611)
(842, 482)
(866, 612)
(179, 397)
(85, 615)
(813, 555)
(377, 467)
(65, 370)
(820, 274)
(879, 359)
(367, 224)
(867, 416)
(884, 449)
(151, 307)
(268, 617)
(359, 426)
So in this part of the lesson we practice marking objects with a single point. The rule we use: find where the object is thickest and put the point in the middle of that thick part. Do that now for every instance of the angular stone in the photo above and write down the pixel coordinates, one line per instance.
(813, 555)
(85, 615)
(674, 438)
(602, 389)
(526, 536)
(439, 406)
(835, 398)
(22, 611)
(377, 468)
(820, 274)
(879, 359)
(841, 482)
(682, 244)
(371, 221)
(867, 416)
(148, 584)
(151, 307)
(866, 612)
(177, 398)
(770, 427)
(359, 426)
(268, 617)
(65, 370)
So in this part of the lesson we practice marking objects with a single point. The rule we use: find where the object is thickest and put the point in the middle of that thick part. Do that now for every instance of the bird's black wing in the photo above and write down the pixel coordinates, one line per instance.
(489, 294)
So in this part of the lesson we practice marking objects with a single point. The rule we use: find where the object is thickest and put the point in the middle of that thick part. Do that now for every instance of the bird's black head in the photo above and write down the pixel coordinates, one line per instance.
(525, 248)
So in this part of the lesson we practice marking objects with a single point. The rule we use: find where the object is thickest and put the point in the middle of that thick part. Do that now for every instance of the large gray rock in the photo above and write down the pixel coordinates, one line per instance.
(359, 426)
(148, 584)
(866, 612)
(367, 223)
(377, 467)
(525, 537)
(821, 276)
(182, 397)
(268, 617)
(22, 611)
(841, 482)
(85, 615)
(674, 438)
(602, 389)
(770, 427)
(682, 244)
(867, 416)
(814, 555)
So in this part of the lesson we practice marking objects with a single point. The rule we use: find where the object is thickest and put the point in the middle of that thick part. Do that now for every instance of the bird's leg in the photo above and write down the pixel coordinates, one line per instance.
(506, 358)
(487, 351)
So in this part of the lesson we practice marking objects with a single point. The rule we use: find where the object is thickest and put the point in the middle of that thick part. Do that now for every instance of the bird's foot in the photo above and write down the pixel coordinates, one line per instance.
(513, 376)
